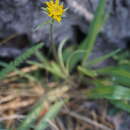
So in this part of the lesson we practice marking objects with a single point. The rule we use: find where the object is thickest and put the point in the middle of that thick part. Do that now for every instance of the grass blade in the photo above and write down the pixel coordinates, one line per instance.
(26, 124)
(124, 105)
(43, 124)
(95, 28)
(102, 58)
(112, 92)
(87, 72)
(12, 66)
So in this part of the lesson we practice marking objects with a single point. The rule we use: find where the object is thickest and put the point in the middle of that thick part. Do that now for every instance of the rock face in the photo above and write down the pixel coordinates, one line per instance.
(21, 16)
(117, 30)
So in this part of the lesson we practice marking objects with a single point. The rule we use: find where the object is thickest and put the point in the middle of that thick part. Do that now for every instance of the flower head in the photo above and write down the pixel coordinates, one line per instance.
(55, 10)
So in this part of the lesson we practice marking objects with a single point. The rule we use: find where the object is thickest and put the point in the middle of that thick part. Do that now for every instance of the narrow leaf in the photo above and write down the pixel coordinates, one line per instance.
(51, 114)
(19, 60)
(109, 92)
(87, 72)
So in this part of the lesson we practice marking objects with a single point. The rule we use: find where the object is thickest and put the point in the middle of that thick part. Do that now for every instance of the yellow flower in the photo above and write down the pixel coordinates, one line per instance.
(55, 10)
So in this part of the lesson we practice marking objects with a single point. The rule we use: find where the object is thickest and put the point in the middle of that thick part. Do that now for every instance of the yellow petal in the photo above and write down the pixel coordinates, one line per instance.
(55, 10)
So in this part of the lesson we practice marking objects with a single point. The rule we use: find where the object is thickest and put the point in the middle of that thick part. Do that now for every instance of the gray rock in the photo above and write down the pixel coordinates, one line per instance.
(10, 52)
(22, 16)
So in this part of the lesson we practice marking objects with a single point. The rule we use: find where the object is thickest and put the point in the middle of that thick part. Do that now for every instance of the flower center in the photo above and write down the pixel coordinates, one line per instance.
(57, 11)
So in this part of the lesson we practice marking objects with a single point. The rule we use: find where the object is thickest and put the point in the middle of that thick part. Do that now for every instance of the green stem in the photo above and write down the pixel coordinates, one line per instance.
(52, 44)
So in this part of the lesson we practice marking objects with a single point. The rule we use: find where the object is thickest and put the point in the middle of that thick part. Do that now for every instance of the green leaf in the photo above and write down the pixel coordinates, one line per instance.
(40, 56)
(55, 69)
(114, 92)
(50, 115)
(102, 58)
(27, 123)
(25, 75)
(119, 74)
(121, 80)
(67, 52)
(3, 64)
(88, 44)
(73, 58)
(87, 72)
(51, 67)
(95, 27)
(124, 105)
(12, 66)
(60, 57)
(114, 71)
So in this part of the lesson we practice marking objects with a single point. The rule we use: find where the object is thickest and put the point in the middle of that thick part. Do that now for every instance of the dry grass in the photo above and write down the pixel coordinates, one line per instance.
(17, 99)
